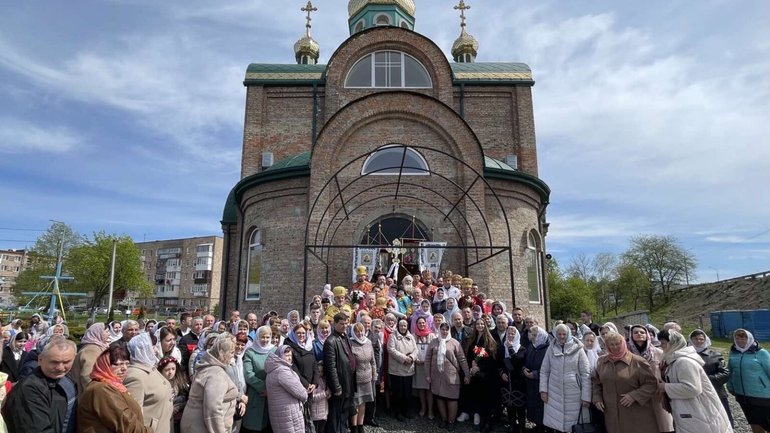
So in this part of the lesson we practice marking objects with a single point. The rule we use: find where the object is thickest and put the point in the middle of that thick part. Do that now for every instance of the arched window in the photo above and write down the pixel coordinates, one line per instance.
(254, 270)
(359, 26)
(387, 161)
(533, 267)
(404, 25)
(382, 20)
(388, 69)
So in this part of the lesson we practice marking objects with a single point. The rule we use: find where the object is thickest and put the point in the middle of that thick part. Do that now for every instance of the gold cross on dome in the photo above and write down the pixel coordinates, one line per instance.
(462, 7)
(308, 8)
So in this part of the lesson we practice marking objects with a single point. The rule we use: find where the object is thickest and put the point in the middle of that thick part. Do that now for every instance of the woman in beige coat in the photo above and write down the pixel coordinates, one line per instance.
(402, 353)
(148, 387)
(213, 395)
(640, 344)
(94, 342)
(623, 388)
(444, 362)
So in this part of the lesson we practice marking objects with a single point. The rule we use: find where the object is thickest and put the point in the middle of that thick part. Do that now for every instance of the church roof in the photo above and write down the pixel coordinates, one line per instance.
(467, 73)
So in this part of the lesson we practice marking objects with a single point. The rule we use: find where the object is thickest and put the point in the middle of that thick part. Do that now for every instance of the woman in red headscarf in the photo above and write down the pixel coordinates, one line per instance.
(105, 405)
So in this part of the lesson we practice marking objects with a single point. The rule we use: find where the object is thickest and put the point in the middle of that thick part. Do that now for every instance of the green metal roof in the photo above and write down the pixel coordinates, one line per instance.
(465, 73)
(299, 160)
(267, 73)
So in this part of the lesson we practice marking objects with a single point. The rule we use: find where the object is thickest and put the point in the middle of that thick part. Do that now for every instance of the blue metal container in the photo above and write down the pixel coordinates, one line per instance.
(723, 323)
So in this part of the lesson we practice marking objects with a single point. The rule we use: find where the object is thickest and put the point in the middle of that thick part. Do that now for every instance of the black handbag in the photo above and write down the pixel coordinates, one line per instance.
(584, 427)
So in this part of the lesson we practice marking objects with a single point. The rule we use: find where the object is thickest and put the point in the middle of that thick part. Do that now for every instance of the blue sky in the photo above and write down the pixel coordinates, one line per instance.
(651, 118)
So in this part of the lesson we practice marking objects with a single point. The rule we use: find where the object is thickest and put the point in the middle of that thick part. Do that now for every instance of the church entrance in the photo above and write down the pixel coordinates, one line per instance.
(399, 239)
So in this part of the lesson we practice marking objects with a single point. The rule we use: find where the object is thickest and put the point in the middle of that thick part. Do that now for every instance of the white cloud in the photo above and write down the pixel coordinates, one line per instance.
(19, 136)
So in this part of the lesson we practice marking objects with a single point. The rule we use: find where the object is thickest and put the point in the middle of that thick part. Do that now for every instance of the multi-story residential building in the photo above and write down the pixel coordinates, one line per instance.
(12, 262)
(186, 273)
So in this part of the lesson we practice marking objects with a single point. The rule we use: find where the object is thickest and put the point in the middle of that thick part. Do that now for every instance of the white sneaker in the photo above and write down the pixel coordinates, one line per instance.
(476, 419)
(463, 417)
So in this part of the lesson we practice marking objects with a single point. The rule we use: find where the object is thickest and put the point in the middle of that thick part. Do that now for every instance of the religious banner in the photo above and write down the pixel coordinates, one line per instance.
(431, 254)
(365, 257)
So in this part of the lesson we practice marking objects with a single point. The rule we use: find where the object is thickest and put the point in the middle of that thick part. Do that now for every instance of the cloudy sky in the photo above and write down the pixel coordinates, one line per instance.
(652, 117)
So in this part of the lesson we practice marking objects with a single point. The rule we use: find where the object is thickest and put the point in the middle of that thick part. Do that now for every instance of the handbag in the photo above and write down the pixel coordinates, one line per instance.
(584, 427)
(308, 416)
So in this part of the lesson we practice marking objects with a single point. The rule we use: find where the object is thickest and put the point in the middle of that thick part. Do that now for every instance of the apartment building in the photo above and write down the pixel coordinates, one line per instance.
(12, 262)
(186, 273)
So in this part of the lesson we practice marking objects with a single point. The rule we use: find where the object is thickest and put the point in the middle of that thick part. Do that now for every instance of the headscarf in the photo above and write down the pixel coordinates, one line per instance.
(419, 313)
(308, 340)
(436, 298)
(93, 335)
(512, 345)
(152, 327)
(706, 344)
(749, 342)
(592, 353)
(653, 331)
(562, 327)
(645, 351)
(355, 338)
(616, 356)
(102, 372)
(441, 358)
(141, 350)
(215, 328)
(676, 342)
(450, 312)
(115, 336)
(422, 333)
(612, 327)
(257, 346)
(288, 317)
(541, 338)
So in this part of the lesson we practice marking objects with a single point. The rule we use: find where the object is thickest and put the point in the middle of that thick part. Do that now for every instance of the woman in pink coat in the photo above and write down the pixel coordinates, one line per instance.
(285, 393)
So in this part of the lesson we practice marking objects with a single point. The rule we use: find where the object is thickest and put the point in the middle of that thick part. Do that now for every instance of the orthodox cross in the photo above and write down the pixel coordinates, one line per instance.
(462, 7)
(308, 8)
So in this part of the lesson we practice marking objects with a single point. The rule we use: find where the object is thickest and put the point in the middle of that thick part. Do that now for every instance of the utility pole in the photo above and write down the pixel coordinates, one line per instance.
(56, 278)
(112, 275)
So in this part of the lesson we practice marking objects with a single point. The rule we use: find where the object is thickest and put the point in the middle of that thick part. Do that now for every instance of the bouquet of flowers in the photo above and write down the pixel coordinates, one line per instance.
(480, 353)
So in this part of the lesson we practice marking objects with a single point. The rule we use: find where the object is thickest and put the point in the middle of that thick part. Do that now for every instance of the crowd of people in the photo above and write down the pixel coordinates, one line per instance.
(433, 348)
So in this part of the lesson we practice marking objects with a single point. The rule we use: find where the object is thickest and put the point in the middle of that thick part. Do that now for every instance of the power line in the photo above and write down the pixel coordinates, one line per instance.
(15, 240)
(21, 230)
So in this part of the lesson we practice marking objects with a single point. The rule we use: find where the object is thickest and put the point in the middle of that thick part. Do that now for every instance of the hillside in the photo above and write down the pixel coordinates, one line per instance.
(686, 305)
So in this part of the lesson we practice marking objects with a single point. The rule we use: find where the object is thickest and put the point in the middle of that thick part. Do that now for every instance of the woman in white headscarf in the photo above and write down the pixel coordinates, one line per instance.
(695, 403)
(115, 328)
(510, 358)
(447, 369)
(254, 373)
(147, 386)
(536, 351)
(750, 379)
(565, 381)
(714, 366)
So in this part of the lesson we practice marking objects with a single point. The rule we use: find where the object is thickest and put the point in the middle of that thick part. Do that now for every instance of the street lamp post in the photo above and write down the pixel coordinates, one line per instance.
(717, 272)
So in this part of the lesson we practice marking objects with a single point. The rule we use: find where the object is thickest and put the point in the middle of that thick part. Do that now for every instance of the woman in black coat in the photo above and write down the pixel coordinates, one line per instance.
(510, 358)
(13, 356)
(532, 362)
(303, 358)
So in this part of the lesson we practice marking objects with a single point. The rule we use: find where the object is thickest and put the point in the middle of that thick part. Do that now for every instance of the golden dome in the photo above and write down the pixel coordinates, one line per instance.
(465, 43)
(307, 45)
(355, 6)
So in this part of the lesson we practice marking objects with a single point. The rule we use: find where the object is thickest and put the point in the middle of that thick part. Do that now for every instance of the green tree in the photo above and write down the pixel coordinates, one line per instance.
(90, 265)
(46, 248)
(569, 296)
(663, 261)
(631, 286)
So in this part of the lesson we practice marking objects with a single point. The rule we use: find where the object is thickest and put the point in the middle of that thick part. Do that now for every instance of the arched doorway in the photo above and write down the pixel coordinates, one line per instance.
(403, 234)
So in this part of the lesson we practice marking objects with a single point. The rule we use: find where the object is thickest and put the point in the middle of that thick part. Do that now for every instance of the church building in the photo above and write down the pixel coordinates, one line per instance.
(394, 156)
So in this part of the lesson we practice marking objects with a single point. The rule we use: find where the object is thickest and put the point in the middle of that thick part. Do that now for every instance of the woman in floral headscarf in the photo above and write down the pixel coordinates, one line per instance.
(750, 379)
(640, 344)
(106, 405)
(254, 373)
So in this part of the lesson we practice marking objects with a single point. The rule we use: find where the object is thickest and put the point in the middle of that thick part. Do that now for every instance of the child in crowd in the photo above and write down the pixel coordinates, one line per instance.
(319, 405)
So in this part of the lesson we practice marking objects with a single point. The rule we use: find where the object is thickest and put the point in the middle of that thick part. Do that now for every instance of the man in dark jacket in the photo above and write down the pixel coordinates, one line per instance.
(189, 342)
(45, 401)
(339, 365)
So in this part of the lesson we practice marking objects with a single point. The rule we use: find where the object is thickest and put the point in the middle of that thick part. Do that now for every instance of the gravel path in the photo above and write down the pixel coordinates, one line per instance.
(424, 425)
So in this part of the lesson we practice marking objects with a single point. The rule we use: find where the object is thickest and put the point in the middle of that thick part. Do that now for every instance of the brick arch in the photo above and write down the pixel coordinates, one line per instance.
(411, 110)
(385, 38)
